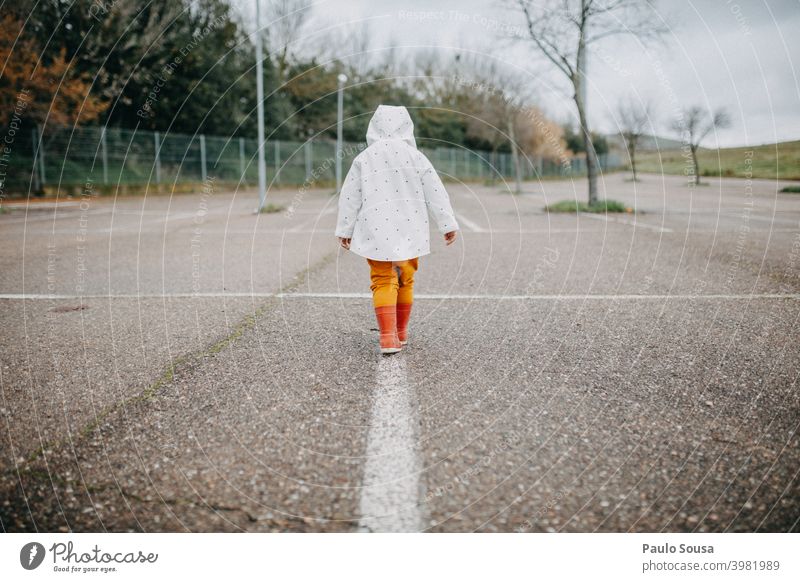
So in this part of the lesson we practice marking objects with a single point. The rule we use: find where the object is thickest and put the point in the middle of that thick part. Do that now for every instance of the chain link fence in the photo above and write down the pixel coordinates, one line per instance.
(64, 159)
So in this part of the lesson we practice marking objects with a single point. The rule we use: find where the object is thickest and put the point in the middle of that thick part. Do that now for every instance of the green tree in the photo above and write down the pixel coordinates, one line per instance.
(575, 142)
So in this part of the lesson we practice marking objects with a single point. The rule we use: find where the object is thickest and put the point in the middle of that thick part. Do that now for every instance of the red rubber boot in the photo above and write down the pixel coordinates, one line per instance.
(387, 323)
(403, 315)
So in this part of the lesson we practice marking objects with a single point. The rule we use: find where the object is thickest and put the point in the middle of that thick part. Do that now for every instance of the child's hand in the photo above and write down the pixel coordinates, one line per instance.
(345, 242)
(450, 237)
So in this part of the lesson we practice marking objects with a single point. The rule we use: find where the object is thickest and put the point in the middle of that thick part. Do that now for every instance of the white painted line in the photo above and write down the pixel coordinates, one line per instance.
(635, 223)
(322, 232)
(314, 211)
(390, 493)
(771, 220)
(158, 222)
(340, 295)
(578, 297)
(421, 296)
(326, 232)
(469, 224)
(227, 294)
(34, 206)
(51, 217)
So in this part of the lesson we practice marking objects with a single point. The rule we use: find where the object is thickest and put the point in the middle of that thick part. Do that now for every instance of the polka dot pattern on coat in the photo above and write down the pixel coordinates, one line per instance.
(389, 191)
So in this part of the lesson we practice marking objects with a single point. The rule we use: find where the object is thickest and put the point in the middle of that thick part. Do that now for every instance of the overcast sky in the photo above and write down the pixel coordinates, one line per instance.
(739, 55)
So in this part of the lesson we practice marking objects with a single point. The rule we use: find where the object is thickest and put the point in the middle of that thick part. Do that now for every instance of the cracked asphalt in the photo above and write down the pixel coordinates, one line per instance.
(181, 364)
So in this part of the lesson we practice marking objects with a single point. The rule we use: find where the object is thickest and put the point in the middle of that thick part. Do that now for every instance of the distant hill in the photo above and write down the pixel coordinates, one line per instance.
(647, 143)
(778, 160)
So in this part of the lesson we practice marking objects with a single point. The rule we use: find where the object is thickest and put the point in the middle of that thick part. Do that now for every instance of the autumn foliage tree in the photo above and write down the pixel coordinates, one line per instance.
(186, 66)
(52, 90)
(502, 112)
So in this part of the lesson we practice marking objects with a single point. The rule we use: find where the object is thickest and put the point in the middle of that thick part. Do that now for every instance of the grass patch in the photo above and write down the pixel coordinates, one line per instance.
(5, 210)
(791, 189)
(778, 160)
(272, 208)
(601, 206)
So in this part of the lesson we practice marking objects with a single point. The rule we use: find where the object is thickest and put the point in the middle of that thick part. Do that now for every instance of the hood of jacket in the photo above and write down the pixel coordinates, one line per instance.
(390, 122)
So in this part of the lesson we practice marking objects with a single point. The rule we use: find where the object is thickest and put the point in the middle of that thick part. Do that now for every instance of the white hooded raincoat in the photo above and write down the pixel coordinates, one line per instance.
(385, 198)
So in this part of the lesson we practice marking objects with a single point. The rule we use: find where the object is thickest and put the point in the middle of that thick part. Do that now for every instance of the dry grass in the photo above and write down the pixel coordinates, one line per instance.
(774, 161)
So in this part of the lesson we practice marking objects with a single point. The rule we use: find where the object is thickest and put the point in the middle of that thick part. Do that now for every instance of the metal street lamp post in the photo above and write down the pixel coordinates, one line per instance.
(342, 80)
(262, 163)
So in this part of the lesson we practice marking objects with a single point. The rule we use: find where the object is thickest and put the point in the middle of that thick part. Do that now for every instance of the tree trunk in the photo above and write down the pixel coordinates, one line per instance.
(515, 158)
(591, 155)
(696, 165)
(633, 161)
(493, 165)
(579, 84)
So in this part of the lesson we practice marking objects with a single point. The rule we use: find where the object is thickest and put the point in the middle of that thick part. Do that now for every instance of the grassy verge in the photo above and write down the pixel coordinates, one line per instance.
(601, 206)
(777, 160)
(791, 189)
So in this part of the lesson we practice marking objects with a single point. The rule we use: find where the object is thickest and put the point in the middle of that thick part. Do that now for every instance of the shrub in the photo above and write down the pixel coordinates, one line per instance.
(600, 206)
(271, 208)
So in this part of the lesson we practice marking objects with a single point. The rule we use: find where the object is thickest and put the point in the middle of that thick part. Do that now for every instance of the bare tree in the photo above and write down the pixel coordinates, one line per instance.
(694, 125)
(359, 47)
(633, 119)
(563, 30)
(502, 109)
(350, 44)
(286, 19)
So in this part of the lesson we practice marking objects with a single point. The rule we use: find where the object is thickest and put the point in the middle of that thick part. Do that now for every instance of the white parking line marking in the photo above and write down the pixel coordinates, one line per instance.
(133, 229)
(51, 217)
(772, 220)
(391, 491)
(423, 296)
(634, 223)
(573, 297)
(469, 224)
(258, 231)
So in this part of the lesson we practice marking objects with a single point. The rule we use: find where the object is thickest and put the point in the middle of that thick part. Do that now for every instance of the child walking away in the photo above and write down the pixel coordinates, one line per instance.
(383, 217)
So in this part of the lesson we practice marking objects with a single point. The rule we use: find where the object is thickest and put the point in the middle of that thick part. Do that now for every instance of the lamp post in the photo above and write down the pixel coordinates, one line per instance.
(262, 163)
(342, 80)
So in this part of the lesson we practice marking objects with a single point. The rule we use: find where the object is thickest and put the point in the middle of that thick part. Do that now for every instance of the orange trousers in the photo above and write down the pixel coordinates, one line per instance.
(392, 281)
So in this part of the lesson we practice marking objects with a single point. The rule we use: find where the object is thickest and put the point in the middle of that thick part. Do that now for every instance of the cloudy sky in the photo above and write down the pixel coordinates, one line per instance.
(739, 55)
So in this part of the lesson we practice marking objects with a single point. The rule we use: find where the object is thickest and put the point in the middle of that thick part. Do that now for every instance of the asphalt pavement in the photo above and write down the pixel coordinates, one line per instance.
(182, 364)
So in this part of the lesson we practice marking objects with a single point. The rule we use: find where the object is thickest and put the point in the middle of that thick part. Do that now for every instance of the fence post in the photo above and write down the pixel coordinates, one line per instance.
(203, 156)
(38, 153)
(34, 169)
(241, 160)
(277, 161)
(157, 155)
(308, 153)
(104, 152)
